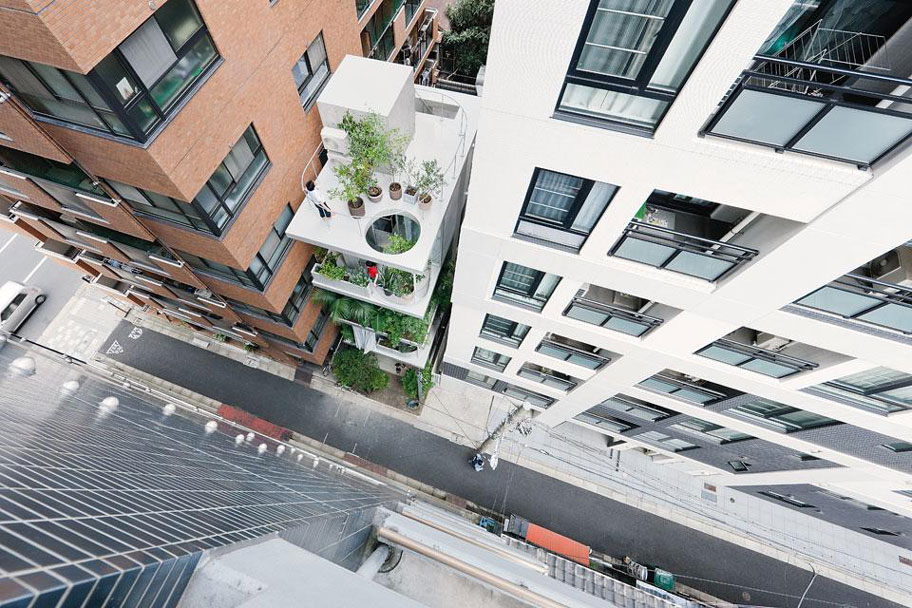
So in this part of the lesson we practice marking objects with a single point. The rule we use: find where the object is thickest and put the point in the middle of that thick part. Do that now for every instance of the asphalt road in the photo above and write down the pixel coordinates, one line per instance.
(615, 528)
(19, 261)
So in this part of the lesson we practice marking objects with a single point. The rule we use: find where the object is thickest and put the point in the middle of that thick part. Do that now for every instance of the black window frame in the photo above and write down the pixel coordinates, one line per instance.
(142, 94)
(292, 309)
(536, 282)
(249, 279)
(496, 366)
(567, 223)
(514, 326)
(312, 98)
(638, 86)
(218, 228)
(198, 221)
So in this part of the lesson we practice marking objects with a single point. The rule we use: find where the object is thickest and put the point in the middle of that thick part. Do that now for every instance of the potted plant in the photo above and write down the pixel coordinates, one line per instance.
(354, 180)
(395, 191)
(220, 337)
(410, 169)
(429, 182)
(374, 193)
(331, 270)
(397, 163)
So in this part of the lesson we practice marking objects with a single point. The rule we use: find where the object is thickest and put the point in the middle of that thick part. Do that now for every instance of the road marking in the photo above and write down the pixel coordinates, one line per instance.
(34, 270)
(7, 243)
(114, 349)
(135, 333)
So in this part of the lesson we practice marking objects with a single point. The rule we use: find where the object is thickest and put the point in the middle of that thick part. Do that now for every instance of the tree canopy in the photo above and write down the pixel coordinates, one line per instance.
(470, 31)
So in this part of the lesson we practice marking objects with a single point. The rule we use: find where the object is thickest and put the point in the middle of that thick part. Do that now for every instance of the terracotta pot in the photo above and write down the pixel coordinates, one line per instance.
(356, 207)
(375, 193)
(395, 191)
(424, 202)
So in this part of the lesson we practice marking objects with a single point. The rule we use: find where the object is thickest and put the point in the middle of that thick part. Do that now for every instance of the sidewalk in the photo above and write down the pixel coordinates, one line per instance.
(439, 457)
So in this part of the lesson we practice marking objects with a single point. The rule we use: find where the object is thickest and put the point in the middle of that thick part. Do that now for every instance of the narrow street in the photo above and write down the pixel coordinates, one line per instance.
(615, 528)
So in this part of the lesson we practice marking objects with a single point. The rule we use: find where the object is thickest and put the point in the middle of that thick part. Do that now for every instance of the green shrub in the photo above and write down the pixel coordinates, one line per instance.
(398, 244)
(398, 326)
(360, 371)
(410, 382)
(359, 277)
(329, 270)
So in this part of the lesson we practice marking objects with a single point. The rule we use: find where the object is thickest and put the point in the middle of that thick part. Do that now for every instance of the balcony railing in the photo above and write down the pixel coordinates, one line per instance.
(864, 299)
(556, 380)
(682, 389)
(600, 416)
(572, 354)
(611, 317)
(679, 252)
(755, 359)
(828, 111)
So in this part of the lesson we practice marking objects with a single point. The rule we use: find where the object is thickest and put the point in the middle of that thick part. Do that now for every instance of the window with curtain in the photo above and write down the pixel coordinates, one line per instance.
(311, 71)
(561, 210)
(132, 90)
(233, 181)
(528, 287)
(633, 56)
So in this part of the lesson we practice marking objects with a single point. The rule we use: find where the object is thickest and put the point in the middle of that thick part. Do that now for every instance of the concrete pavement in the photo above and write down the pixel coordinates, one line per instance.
(723, 569)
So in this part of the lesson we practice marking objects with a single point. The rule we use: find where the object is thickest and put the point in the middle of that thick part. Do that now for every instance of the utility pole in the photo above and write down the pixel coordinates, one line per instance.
(508, 422)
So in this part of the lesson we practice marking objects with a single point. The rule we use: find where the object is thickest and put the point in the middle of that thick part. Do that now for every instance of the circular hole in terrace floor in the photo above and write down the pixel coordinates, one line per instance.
(393, 234)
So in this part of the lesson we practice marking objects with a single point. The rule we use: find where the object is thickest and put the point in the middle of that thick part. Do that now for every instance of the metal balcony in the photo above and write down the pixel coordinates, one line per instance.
(679, 252)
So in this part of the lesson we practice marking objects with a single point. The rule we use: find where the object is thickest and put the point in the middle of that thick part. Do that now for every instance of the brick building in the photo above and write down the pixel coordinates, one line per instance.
(160, 147)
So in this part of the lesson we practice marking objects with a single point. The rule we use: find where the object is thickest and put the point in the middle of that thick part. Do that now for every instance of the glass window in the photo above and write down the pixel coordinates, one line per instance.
(529, 397)
(548, 377)
(481, 379)
(293, 307)
(233, 181)
(316, 332)
(881, 389)
(361, 6)
(489, 358)
(757, 360)
(134, 88)
(666, 442)
(713, 432)
(783, 417)
(311, 71)
(264, 264)
(525, 286)
(681, 389)
(789, 500)
(611, 317)
(503, 330)
(636, 409)
(577, 356)
(161, 207)
(561, 210)
(899, 447)
(633, 56)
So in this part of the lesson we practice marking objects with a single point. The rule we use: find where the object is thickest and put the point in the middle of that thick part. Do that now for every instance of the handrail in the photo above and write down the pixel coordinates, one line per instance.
(622, 312)
(839, 71)
(712, 245)
(685, 384)
(575, 349)
(765, 354)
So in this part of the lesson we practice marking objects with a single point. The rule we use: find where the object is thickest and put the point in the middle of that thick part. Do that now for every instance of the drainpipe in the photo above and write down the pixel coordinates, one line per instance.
(372, 564)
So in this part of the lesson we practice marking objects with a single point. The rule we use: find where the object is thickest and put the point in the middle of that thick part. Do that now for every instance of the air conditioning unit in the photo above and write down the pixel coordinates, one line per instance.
(894, 267)
(334, 140)
(770, 342)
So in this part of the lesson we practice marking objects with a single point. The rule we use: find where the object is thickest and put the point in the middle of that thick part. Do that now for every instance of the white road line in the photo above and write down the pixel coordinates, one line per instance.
(34, 270)
(7, 243)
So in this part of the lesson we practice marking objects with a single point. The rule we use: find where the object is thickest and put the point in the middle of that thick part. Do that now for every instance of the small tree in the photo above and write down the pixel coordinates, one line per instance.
(355, 179)
(470, 31)
(359, 370)
(429, 180)
(410, 381)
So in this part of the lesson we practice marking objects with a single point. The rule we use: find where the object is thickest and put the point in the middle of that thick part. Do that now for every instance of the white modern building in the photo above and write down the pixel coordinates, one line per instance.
(689, 229)
(438, 127)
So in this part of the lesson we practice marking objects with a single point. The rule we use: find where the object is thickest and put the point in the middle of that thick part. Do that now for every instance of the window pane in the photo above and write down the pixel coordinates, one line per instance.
(604, 103)
(621, 36)
(148, 52)
(519, 278)
(553, 196)
(894, 316)
(179, 21)
(689, 41)
(646, 252)
(184, 73)
(769, 368)
(724, 355)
